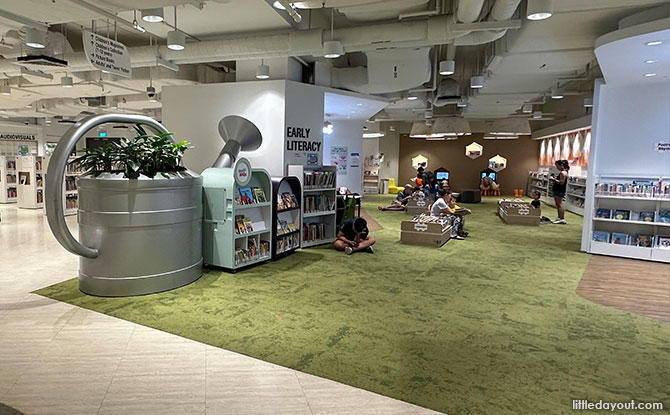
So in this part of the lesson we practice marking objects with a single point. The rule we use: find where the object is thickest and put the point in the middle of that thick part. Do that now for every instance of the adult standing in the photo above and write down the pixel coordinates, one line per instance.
(560, 184)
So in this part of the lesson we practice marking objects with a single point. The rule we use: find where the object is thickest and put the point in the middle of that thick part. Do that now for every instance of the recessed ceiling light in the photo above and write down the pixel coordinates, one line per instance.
(649, 75)
(650, 61)
(654, 43)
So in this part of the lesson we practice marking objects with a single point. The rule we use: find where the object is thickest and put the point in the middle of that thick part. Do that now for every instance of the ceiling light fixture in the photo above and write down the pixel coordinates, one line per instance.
(588, 102)
(332, 49)
(447, 67)
(428, 114)
(66, 81)
(153, 15)
(527, 108)
(373, 135)
(278, 5)
(262, 71)
(539, 9)
(463, 103)
(412, 97)
(5, 90)
(477, 82)
(650, 61)
(649, 75)
(556, 93)
(137, 25)
(176, 40)
(537, 115)
(654, 43)
(36, 38)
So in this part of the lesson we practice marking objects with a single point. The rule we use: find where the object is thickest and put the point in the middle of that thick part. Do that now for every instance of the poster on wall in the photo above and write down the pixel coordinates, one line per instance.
(24, 150)
(473, 150)
(355, 160)
(312, 159)
(419, 161)
(497, 163)
(49, 149)
(338, 158)
(303, 146)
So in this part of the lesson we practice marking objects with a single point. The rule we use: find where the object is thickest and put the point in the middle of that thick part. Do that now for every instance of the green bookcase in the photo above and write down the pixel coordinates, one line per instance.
(224, 245)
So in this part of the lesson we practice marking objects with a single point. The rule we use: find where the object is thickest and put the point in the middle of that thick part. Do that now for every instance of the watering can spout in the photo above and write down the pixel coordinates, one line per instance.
(239, 134)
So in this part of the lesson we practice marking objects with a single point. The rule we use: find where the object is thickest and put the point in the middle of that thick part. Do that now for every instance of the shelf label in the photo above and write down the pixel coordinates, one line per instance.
(421, 227)
(106, 54)
(662, 146)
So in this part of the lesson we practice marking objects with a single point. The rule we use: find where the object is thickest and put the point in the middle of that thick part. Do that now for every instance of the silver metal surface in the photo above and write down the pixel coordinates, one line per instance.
(239, 134)
(138, 236)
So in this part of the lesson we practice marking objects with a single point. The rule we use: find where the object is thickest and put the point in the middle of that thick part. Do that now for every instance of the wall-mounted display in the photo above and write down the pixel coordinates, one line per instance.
(474, 150)
(419, 161)
(497, 163)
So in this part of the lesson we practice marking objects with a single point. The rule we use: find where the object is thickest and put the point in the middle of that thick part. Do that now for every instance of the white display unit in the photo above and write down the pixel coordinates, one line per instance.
(370, 184)
(575, 195)
(634, 226)
(8, 179)
(70, 188)
(317, 218)
(30, 176)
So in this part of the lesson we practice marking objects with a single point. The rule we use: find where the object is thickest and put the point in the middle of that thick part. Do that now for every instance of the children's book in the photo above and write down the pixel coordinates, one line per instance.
(247, 196)
(604, 213)
(621, 214)
(600, 236)
(259, 194)
(248, 225)
(663, 242)
(647, 216)
(645, 241)
(239, 224)
(663, 216)
(619, 238)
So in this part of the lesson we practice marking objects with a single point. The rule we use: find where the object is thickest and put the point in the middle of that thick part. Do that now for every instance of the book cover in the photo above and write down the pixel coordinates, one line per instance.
(647, 216)
(259, 195)
(246, 195)
(239, 224)
(600, 236)
(644, 240)
(663, 216)
(619, 238)
(621, 215)
(663, 242)
(604, 213)
(248, 225)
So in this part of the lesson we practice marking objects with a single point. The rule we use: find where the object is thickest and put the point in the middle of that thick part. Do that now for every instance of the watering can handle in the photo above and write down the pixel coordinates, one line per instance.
(56, 172)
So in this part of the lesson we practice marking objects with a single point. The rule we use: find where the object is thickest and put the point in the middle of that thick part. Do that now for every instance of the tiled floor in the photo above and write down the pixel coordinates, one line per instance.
(59, 359)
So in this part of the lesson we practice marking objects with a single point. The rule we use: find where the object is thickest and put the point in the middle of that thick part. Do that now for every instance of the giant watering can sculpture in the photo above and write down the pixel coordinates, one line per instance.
(136, 236)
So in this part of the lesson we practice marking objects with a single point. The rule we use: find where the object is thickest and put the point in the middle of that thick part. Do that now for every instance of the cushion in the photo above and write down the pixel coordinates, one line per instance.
(470, 196)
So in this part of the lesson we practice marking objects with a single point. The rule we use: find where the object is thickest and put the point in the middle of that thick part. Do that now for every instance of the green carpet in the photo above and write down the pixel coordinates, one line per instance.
(489, 325)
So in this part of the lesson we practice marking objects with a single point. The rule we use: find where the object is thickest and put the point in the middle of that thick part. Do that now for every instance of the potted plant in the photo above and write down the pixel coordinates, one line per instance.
(140, 212)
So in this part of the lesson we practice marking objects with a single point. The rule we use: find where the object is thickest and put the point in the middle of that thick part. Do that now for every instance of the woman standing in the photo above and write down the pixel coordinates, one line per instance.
(559, 189)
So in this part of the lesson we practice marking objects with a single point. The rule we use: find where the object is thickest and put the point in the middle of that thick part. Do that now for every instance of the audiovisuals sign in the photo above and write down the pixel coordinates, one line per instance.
(106, 54)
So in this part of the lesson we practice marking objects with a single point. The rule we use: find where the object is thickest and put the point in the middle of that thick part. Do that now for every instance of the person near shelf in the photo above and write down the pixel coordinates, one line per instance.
(537, 205)
(443, 206)
(400, 201)
(431, 189)
(354, 236)
(560, 184)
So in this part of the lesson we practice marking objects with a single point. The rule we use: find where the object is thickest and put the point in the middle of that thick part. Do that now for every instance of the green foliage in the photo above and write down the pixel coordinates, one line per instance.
(145, 154)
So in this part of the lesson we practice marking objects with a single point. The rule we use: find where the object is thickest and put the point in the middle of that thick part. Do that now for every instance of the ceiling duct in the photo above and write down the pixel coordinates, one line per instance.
(451, 127)
(509, 127)
(500, 11)
(96, 101)
(448, 92)
(41, 61)
(420, 130)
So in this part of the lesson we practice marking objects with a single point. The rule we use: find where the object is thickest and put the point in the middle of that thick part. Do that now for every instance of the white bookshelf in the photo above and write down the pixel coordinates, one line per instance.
(30, 176)
(323, 215)
(70, 188)
(8, 179)
(633, 226)
(575, 195)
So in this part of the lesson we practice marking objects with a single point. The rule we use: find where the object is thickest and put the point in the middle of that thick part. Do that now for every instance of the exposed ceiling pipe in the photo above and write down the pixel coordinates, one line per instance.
(469, 10)
(108, 15)
(23, 20)
(502, 10)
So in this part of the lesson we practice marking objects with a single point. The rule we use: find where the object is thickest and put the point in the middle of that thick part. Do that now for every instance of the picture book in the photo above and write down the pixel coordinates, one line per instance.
(259, 194)
(645, 241)
(600, 236)
(247, 196)
(663, 216)
(604, 213)
(294, 199)
(621, 215)
(647, 216)
(663, 242)
(288, 201)
(239, 224)
(280, 204)
(248, 225)
(619, 238)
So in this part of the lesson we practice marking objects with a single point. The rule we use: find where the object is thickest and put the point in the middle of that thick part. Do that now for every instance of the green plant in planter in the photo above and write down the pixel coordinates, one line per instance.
(144, 155)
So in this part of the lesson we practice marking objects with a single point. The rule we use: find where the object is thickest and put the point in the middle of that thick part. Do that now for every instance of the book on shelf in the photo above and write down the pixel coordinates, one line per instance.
(647, 216)
(636, 188)
(645, 241)
(289, 200)
(314, 231)
(243, 224)
(663, 216)
(248, 224)
(619, 238)
(604, 213)
(600, 236)
(258, 194)
(252, 248)
(265, 248)
(663, 242)
(319, 203)
(319, 179)
(246, 197)
(288, 243)
(620, 214)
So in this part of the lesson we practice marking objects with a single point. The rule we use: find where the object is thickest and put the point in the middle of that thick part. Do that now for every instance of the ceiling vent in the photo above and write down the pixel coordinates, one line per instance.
(96, 101)
(41, 61)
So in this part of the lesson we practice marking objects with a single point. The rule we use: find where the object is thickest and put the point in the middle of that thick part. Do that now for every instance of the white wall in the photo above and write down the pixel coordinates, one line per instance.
(193, 112)
(347, 133)
(304, 109)
(628, 122)
(280, 68)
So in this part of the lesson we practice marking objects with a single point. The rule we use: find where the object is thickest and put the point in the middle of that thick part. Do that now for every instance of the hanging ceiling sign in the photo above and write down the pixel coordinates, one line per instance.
(106, 54)
(662, 146)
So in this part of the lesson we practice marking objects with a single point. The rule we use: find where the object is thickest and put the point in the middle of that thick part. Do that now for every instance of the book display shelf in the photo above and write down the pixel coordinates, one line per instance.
(631, 218)
(70, 187)
(318, 207)
(238, 213)
(575, 195)
(287, 218)
(30, 176)
(8, 179)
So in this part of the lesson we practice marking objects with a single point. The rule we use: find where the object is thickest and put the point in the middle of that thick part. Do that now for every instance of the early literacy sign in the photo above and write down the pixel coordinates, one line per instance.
(106, 54)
